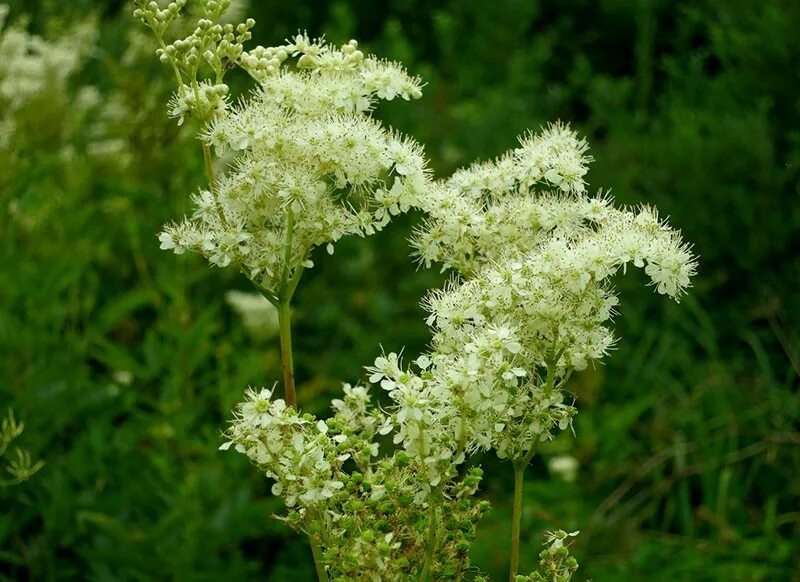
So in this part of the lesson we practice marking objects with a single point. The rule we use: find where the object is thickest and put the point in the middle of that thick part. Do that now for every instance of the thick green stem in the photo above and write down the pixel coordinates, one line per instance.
(316, 551)
(426, 568)
(519, 476)
(287, 360)
(284, 295)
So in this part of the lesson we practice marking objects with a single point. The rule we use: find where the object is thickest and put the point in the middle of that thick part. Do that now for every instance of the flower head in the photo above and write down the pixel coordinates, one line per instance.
(309, 164)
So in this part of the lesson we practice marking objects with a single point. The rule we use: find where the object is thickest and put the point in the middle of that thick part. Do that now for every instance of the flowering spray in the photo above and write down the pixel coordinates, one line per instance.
(529, 302)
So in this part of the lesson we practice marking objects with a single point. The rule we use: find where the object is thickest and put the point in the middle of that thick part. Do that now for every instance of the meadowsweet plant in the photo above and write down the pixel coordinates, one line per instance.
(533, 302)
(307, 163)
(529, 302)
(368, 517)
(32, 69)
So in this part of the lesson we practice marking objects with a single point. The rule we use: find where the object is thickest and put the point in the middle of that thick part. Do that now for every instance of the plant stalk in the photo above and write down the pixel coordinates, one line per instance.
(208, 162)
(287, 360)
(519, 476)
(316, 551)
(426, 568)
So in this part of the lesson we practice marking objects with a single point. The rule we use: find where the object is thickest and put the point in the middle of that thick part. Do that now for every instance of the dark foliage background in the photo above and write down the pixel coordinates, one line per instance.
(688, 437)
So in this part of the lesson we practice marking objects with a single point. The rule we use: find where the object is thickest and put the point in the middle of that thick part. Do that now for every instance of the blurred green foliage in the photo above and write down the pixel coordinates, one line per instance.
(124, 361)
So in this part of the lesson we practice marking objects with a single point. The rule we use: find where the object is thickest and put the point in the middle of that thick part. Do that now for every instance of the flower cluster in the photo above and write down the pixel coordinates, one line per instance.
(308, 164)
(341, 79)
(479, 399)
(211, 47)
(534, 303)
(306, 173)
(481, 211)
(32, 67)
(372, 516)
(293, 450)
(555, 562)
(381, 532)
(531, 302)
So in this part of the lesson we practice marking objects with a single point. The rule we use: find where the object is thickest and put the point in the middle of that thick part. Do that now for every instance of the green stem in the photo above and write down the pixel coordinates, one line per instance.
(287, 287)
(426, 568)
(178, 76)
(287, 258)
(519, 476)
(268, 295)
(316, 551)
(520, 464)
(209, 166)
(287, 360)
(293, 282)
(462, 433)
(548, 387)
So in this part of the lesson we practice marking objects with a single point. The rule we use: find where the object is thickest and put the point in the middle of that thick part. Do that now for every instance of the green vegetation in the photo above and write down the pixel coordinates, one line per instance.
(123, 361)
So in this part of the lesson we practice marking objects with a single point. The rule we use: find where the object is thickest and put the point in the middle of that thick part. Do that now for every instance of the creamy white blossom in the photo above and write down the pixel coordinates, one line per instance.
(341, 79)
(481, 211)
(534, 301)
(31, 65)
(307, 170)
(365, 509)
(294, 450)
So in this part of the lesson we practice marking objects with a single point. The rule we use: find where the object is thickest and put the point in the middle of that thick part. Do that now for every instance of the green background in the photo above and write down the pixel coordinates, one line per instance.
(688, 435)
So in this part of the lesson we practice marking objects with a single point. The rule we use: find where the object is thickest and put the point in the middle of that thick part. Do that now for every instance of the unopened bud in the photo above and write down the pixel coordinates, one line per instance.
(305, 62)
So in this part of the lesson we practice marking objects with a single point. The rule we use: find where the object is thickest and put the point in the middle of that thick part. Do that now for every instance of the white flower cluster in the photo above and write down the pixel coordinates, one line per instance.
(556, 564)
(203, 100)
(486, 209)
(354, 416)
(214, 44)
(32, 67)
(477, 400)
(535, 303)
(555, 561)
(293, 450)
(328, 78)
(372, 515)
(306, 173)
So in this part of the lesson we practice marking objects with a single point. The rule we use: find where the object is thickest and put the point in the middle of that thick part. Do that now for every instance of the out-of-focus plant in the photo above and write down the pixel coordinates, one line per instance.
(33, 70)
(18, 464)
